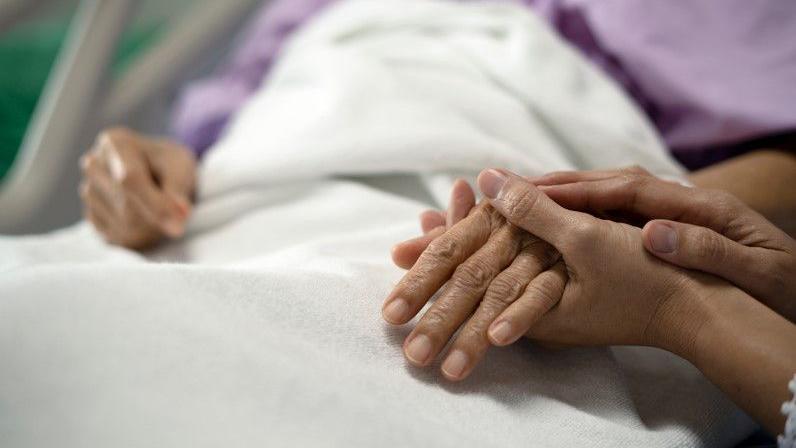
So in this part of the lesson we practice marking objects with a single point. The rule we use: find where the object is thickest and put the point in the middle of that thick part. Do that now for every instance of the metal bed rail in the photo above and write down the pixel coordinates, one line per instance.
(79, 98)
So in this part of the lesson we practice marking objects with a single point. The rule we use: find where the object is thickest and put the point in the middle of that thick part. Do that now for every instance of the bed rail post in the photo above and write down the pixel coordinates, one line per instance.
(60, 115)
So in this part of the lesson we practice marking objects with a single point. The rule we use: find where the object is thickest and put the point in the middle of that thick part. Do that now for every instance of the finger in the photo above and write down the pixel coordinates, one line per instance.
(539, 297)
(647, 196)
(130, 171)
(93, 197)
(461, 295)
(435, 266)
(566, 177)
(527, 207)
(173, 165)
(431, 219)
(99, 222)
(99, 214)
(461, 202)
(174, 170)
(471, 342)
(700, 248)
(406, 254)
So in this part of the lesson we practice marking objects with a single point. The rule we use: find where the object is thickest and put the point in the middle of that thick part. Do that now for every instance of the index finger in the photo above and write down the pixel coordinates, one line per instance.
(647, 196)
(436, 265)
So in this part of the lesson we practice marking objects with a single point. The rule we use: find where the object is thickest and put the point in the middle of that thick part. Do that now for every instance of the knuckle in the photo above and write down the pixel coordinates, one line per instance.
(443, 249)
(503, 290)
(473, 274)
(473, 335)
(132, 180)
(632, 181)
(725, 202)
(521, 202)
(543, 291)
(582, 236)
(436, 320)
(637, 169)
(543, 253)
(707, 246)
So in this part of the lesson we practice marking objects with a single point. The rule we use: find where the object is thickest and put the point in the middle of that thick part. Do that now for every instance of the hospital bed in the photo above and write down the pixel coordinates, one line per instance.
(39, 192)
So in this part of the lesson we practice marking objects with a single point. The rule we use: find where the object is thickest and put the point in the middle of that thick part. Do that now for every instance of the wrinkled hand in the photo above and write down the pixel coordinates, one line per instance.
(707, 230)
(481, 267)
(434, 223)
(136, 190)
(607, 291)
(616, 292)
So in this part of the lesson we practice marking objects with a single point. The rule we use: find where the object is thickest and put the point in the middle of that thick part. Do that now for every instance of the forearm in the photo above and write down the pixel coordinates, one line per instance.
(748, 351)
(762, 179)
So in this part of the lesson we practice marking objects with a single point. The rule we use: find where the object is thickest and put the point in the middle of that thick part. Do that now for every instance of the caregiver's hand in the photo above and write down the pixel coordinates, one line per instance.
(708, 230)
(136, 189)
(616, 294)
(479, 266)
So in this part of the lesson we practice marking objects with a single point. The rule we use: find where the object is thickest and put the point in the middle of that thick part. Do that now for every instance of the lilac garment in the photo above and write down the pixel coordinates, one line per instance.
(205, 106)
(709, 73)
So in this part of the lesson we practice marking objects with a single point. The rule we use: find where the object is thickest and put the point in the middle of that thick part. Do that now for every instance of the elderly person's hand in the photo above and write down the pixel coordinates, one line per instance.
(480, 266)
(136, 190)
(515, 299)
(708, 230)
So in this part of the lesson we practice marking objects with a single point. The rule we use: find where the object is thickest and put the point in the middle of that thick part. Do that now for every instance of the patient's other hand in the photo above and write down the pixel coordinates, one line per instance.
(136, 189)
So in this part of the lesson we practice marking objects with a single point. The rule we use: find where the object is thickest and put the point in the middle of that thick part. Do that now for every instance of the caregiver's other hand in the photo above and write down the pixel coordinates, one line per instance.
(136, 189)
(616, 292)
(708, 230)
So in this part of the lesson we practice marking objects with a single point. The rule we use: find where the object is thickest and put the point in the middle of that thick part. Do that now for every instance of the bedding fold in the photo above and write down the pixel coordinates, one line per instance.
(262, 325)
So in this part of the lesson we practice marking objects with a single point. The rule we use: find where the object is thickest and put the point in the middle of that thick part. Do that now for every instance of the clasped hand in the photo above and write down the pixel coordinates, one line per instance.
(520, 264)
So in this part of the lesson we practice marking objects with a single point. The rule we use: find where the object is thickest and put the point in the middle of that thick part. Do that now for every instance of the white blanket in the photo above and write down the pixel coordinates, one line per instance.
(262, 326)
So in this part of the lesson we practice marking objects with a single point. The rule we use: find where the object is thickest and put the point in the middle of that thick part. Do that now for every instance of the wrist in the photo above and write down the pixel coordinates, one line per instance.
(682, 317)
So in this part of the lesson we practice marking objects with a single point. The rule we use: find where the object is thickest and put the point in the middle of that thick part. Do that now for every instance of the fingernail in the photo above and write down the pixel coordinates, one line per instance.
(491, 182)
(500, 332)
(173, 228)
(663, 238)
(419, 349)
(395, 312)
(455, 364)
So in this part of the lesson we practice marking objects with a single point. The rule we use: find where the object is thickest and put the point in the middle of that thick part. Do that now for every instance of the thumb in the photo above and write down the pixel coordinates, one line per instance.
(527, 207)
(696, 247)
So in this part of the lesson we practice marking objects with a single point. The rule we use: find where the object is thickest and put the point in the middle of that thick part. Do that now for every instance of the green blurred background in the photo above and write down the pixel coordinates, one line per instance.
(29, 47)
(27, 53)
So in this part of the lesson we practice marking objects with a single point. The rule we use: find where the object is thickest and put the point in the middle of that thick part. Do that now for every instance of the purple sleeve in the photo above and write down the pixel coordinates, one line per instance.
(715, 74)
(204, 107)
